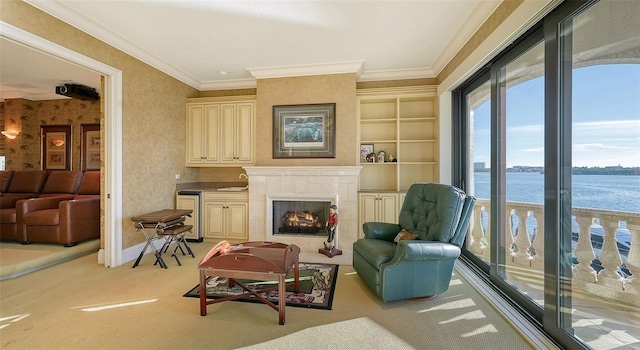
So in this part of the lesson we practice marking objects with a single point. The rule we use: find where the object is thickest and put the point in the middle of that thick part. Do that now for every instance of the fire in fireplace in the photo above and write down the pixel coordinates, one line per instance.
(300, 217)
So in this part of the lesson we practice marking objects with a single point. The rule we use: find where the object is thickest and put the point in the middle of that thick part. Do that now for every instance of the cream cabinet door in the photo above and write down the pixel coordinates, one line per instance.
(237, 221)
(244, 132)
(202, 134)
(228, 130)
(214, 219)
(190, 203)
(377, 207)
(388, 208)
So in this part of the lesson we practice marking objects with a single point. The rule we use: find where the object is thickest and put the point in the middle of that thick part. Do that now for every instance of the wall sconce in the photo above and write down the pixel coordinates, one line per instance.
(11, 134)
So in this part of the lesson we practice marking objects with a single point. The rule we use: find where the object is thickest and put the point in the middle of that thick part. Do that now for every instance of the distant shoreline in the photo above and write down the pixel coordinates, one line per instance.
(609, 170)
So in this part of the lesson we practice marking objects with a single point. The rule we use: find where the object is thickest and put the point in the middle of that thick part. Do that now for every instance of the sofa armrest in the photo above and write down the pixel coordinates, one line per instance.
(421, 250)
(380, 230)
(79, 220)
(34, 204)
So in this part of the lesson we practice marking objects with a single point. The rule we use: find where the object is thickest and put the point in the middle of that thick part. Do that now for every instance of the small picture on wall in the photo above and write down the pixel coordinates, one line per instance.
(56, 147)
(365, 150)
(90, 150)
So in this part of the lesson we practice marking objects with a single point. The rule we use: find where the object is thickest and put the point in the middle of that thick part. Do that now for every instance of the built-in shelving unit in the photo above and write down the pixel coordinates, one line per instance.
(404, 124)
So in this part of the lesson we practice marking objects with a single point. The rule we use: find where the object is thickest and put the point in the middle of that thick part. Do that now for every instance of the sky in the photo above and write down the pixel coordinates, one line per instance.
(605, 127)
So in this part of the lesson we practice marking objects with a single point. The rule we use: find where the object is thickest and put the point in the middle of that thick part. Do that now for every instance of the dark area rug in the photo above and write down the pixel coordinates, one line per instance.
(317, 286)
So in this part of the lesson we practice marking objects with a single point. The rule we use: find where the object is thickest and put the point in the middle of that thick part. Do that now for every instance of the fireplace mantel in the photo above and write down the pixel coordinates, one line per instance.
(337, 183)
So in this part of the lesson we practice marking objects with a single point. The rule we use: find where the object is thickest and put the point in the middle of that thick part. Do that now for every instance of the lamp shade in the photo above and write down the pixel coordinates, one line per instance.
(12, 134)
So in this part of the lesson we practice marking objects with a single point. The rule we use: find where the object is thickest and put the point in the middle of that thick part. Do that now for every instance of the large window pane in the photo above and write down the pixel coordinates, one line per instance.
(521, 159)
(605, 156)
(478, 112)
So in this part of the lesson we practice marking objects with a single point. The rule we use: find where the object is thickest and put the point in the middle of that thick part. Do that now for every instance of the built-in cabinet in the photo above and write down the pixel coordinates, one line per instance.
(225, 215)
(191, 202)
(402, 122)
(220, 131)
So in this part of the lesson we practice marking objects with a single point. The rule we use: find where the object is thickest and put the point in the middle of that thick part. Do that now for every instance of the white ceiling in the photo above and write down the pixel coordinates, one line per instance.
(194, 41)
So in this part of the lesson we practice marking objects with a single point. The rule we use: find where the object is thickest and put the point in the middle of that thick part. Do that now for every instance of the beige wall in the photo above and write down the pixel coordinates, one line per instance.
(339, 89)
(24, 152)
(153, 116)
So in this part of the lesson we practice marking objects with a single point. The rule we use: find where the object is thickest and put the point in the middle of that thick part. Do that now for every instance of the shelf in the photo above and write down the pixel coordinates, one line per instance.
(403, 123)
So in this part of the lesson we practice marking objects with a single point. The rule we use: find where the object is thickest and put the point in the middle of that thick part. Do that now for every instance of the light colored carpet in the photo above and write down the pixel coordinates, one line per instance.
(17, 259)
(82, 305)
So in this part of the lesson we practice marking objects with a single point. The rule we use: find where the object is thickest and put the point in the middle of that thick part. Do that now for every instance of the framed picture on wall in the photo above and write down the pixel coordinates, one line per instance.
(304, 131)
(90, 146)
(56, 147)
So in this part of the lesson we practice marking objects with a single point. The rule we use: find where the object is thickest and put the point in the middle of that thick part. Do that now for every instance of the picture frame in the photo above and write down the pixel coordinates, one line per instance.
(56, 147)
(304, 131)
(90, 146)
(365, 150)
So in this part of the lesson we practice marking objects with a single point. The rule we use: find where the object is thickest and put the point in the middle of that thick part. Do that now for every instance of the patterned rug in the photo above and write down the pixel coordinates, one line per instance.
(317, 284)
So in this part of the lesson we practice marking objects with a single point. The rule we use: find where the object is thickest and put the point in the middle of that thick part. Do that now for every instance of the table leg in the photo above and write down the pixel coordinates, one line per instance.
(203, 294)
(296, 275)
(282, 303)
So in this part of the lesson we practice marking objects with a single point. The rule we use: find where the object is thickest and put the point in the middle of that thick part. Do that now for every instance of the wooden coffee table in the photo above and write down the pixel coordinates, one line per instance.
(263, 261)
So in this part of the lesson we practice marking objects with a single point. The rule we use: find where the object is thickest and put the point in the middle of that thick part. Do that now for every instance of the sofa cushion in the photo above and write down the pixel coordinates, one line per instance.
(90, 184)
(5, 180)
(27, 181)
(46, 217)
(62, 182)
(375, 251)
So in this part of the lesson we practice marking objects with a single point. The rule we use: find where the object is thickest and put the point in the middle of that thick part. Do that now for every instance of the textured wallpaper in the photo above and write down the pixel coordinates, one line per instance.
(24, 152)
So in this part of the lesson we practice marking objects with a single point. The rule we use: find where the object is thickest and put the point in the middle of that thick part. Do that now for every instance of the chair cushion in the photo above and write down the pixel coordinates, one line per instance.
(46, 217)
(5, 179)
(376, 252)
(432, 211)
(27, 181)
(62, 182)
(90, 184)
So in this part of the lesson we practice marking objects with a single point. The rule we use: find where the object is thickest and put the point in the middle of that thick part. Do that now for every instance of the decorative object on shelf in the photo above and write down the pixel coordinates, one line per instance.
(371, 157)
(56, 147)
(304, 131)
(391, 159)
(90, 150)
(365, 150)
(381, 156)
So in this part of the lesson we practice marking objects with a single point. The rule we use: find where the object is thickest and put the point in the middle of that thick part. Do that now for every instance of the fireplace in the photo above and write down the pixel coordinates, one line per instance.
(300, 217)
(329, 184)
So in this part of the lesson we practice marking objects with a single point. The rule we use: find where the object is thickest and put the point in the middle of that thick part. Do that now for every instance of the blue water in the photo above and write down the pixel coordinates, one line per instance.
(607, 192)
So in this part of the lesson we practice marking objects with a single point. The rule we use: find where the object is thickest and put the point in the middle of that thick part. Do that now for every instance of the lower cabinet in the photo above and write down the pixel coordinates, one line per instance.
(378, 207)
(225, 216)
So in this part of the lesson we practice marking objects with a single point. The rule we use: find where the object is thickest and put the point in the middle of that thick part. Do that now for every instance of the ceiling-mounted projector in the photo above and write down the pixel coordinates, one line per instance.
(81, 92)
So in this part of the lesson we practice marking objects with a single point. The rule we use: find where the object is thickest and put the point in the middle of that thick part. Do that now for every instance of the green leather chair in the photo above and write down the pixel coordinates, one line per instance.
(422, 267)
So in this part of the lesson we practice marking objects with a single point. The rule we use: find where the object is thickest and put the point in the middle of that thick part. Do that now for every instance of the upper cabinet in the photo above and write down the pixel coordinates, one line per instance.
(402, 124)
(220, 131)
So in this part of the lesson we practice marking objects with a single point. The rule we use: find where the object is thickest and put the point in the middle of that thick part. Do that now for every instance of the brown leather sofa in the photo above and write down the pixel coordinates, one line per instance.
(66, 220)
(22, 184)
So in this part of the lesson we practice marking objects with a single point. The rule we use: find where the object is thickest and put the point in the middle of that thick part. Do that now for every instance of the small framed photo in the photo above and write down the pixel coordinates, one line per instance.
(365, 150)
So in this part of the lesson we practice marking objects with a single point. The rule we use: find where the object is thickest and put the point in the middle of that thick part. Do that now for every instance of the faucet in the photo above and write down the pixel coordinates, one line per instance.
(243, 175)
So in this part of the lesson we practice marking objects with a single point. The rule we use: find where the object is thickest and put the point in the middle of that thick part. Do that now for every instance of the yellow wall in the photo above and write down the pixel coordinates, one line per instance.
(24, 152)
(339, 89)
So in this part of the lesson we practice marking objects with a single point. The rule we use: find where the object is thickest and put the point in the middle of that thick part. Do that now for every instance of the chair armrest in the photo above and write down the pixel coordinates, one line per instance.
(28, 205)
(423, 250)
(79, 220)
(380, 230)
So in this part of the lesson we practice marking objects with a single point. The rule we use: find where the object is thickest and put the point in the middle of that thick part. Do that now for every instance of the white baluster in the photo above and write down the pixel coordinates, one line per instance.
(584, 251)
(609, 255)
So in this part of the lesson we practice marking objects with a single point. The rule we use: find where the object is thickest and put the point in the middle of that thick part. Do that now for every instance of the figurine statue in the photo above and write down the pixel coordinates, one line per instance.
(332, 224)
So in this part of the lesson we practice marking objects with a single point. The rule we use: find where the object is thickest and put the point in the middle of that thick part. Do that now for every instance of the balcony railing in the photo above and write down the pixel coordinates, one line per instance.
(616, 277)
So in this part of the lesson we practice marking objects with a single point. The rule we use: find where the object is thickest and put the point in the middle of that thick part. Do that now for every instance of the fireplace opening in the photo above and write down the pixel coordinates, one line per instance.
(300, 217)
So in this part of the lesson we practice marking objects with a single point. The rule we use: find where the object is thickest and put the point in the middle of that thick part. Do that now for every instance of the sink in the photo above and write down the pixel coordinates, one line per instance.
(234, 189)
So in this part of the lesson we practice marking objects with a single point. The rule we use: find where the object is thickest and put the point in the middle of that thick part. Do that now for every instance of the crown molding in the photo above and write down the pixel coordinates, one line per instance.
(306, 70)
(397, 74)
(481, 13)
(76, 20)
(248, 83)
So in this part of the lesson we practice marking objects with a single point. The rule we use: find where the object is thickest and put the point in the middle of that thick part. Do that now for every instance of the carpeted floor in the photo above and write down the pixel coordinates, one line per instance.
(17, 259)
(80, 305)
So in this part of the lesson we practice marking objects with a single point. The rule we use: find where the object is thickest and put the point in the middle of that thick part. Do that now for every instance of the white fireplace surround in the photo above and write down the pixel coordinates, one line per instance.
(337, 184)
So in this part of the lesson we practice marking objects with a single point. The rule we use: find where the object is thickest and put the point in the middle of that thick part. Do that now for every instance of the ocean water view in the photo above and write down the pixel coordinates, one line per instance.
(606, 192)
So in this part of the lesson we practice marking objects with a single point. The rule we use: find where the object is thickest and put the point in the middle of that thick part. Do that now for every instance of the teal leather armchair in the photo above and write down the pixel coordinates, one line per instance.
(422, 267)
